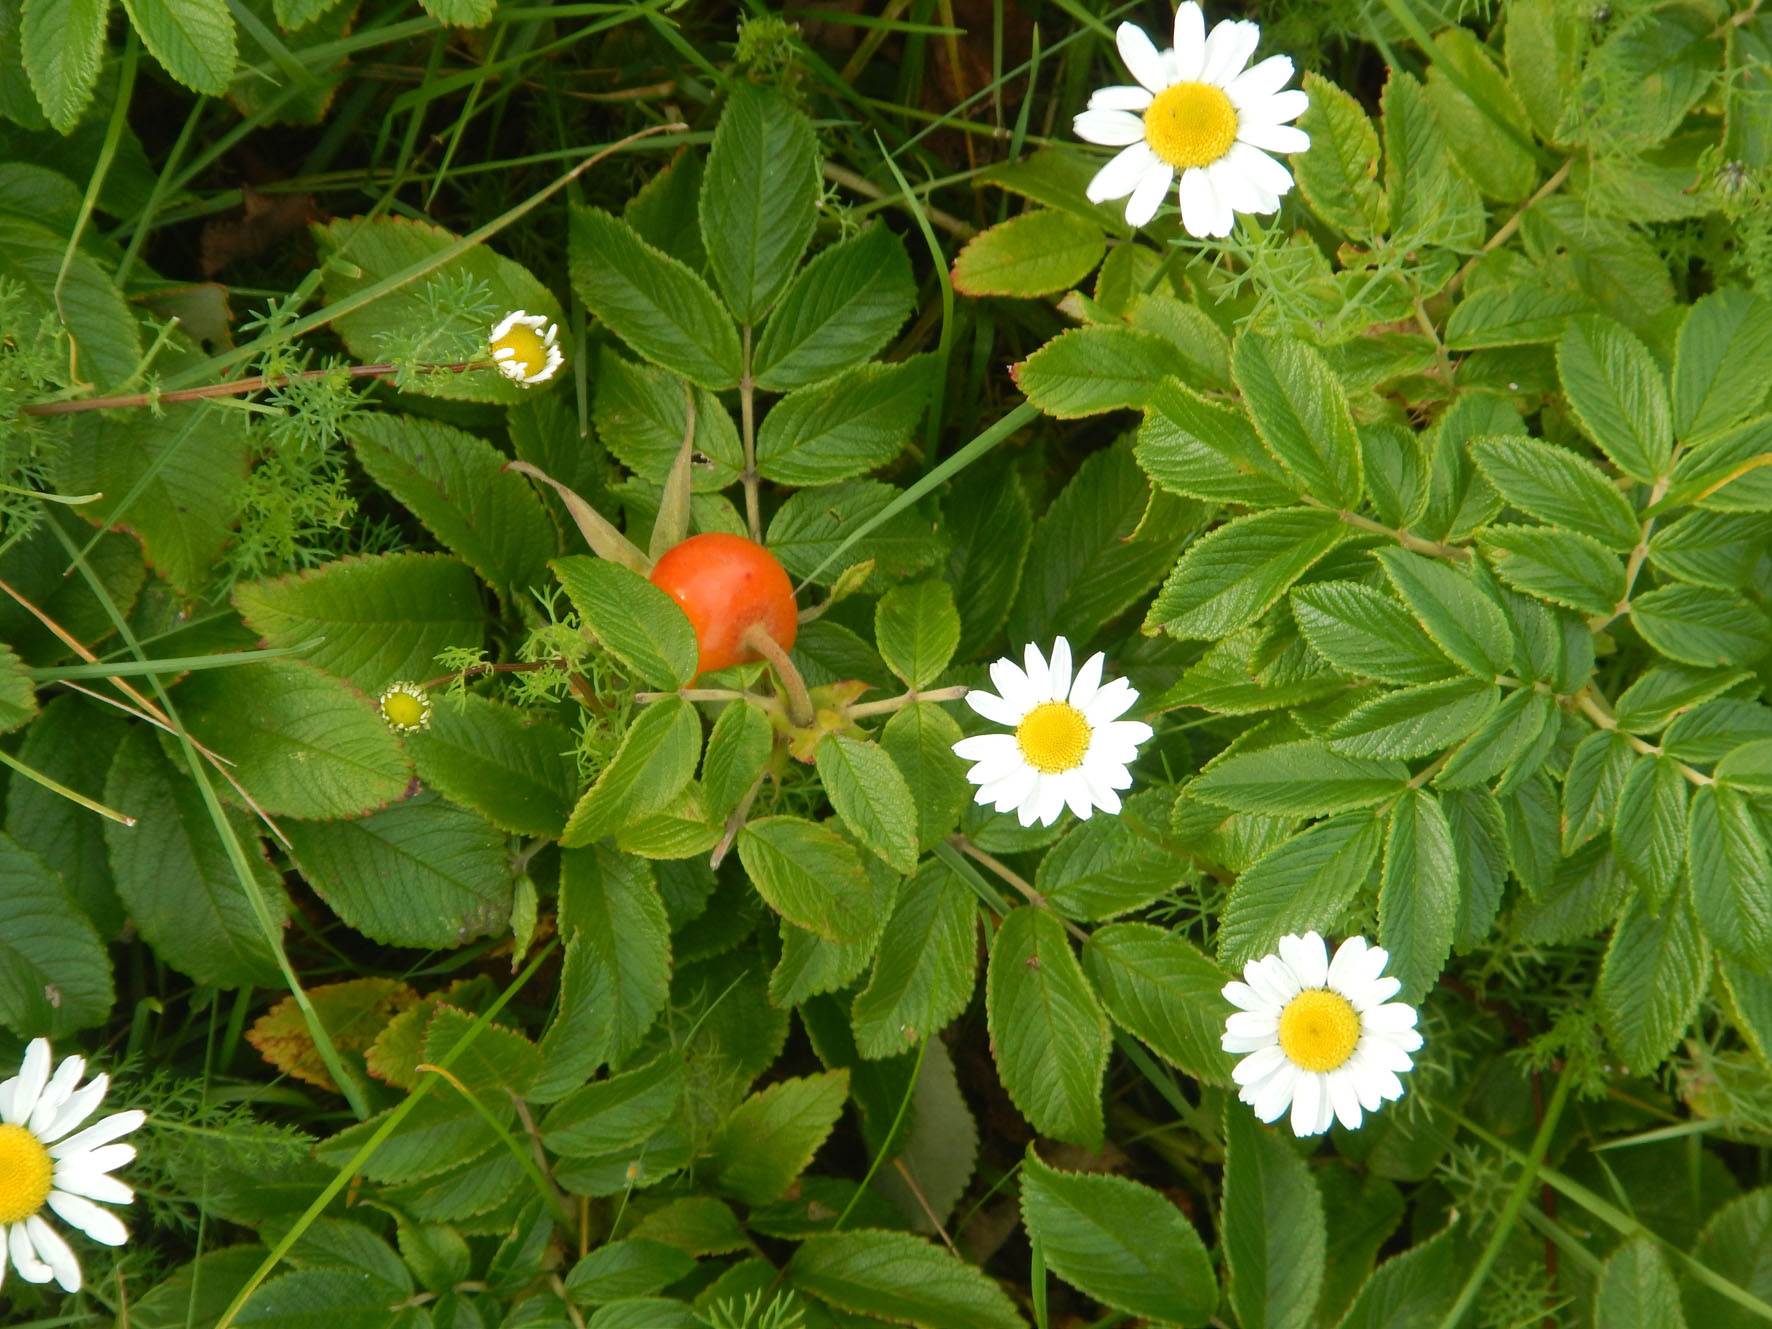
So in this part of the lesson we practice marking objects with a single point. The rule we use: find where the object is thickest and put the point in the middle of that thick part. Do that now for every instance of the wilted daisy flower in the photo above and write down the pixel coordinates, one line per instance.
(42, 1165)
(524, 349)
(1069, 745)
(406, 707)
(1197, 112)
(1323, 1036)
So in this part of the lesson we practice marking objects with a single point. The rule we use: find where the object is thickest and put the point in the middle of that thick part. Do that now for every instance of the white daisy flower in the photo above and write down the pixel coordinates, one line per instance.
(1069, 745)
(1195, 110)
(42, 1165)
(1323, 1036)
(524, 348)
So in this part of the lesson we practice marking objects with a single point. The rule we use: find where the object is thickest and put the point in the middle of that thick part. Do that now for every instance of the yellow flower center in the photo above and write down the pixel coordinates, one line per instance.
(25, 1174)
(1190, 124)
(1318, 1030)
(403, 710)
(527, 347)
(1053, 737)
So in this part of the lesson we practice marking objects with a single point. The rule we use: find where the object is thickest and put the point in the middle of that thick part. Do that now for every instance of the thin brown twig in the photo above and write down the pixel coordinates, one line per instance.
(236, 387)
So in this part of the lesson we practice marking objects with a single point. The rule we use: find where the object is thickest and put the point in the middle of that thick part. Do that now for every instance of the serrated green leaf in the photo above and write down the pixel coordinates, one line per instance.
(54, 974)
(373, 249)
(991, 526)
(106, 345)
(1463, 622)
(1562, 567)
(811, 876)
(384, 616)
(1512, 314)
(617, 973)
(1728, 473)
(656, 759)
(1155, 985)
(1722, 361)
(192, 39)
(327, 1299)
(916, 629)
(1733, 1245)
(856, 422)
(642, 414)
(1717, 549)
(1121, 1243)
(621, 1112)
(1302, 885)
(814, 522)
(1049, 1035)
(901, 1278)
(759, 200)
(1697, 625)
(842, 308)
(1479, 845)
(1302, 415)
(1731, 874)
(1486, 126)
(1201, 449)
(1339, 173)
(1596, 776)
(1511, 743)
(1636, 1289)
(1649, 831)
(1108, 866)
(420, 873)
(923, 976)
(1228, 578)
(1274, 1235)
(1096, 368)
(1415, 722)
(1298, 779)
(1414, 1288)
(631, 1267)
(456, 485)
(1558, 487)
(1651, 982)
(73, 743)
(1365, 633)
(870, 795)
(1619, 396)
(655, 304)
(1101, 545)
(175, 877)
(737, 750)
(461, 13)
(62, 44)
(512, 766)
(1040, 252)
(304, 744)
(1430, 202)
(641, 625)
(771, 1136)
(1710, 731)
(1418, 900)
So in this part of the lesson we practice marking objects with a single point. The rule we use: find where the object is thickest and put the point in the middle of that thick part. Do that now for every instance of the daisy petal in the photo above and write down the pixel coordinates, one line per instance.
(1278, 109)
(1112, 700)
(1307, 1097)
(77, 1109)
(1088, 682)
(26, 1087)
(993, 707)
(55, 1253)
(1120, 97)
(55, 1093)
(1077, 795)
(1142, 58)
(1190, 42)
(106, 1158)
(1308, 958)
(1113, 129)
(101, 1225)
(1271, 1097)
(1199, 205)
(1012, 684)
(1257, 1066)
(1274, 138)
(1148, 197)
(93, 1185)
(1259, 83)
(1228, 49)
(1061, 669)
(1244, 997)
(982, 747)
(102, 1132)
(1101, 789)
(1039, 673)
(1346, 1099)
(1121, 175)
(24, 1256)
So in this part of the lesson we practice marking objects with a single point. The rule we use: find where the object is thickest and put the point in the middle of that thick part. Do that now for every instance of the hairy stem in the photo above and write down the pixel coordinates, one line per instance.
(747, 393)
(800, 708)
(237, 387)
(888, 704)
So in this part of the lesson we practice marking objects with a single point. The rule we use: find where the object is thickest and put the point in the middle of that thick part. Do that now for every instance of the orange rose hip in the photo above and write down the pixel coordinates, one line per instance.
(725, 584)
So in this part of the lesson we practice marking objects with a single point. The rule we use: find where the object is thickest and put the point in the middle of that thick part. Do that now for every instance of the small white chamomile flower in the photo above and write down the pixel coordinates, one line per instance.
(1323, 1036)
(43, 1166)
(406, 707)
(1069, 745)
(524, 348)
(1198, 113)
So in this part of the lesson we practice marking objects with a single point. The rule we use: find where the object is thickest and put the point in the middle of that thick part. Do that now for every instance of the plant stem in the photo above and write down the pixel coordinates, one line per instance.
(1516, 1200)
(889, 704)
(1512, 224)
(238, 387)
(747, 391)
(800, 708)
